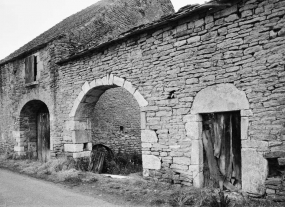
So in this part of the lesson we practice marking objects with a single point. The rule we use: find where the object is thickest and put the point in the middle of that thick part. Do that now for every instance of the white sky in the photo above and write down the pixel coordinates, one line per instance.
(23, 20)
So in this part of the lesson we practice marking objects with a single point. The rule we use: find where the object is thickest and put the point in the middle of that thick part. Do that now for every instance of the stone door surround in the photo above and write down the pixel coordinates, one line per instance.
(225, 98)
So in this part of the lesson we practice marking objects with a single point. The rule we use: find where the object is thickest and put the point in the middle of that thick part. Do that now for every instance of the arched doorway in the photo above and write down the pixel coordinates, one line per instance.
(35, 130)
(79, 127)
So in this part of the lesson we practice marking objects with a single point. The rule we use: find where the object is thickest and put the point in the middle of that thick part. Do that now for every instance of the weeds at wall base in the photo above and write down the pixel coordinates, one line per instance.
(133, 188)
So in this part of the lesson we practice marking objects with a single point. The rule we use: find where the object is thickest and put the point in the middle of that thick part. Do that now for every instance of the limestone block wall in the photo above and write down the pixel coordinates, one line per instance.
(242, 45)
(116, 121)
(15, 94)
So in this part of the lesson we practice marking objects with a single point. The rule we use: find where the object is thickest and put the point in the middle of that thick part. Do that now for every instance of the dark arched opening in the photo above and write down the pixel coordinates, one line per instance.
(35, 130)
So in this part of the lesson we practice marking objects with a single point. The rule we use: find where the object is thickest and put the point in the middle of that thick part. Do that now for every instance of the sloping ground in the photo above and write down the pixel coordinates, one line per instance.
(106, 19)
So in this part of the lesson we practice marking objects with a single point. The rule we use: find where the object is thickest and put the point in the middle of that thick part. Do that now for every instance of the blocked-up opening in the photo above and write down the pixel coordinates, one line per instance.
(35, 130)
(222, 150)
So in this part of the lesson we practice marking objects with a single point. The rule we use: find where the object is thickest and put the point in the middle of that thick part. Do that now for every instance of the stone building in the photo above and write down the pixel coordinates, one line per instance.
(223, 57)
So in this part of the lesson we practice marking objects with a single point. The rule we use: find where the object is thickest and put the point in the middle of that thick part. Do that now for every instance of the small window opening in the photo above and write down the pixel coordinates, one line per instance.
(275, 170)
(121, 129)
(171, 95)
(85, 146)
(35, 68)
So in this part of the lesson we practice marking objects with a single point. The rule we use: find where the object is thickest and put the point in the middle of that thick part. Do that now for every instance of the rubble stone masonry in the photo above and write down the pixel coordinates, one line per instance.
(242, 46)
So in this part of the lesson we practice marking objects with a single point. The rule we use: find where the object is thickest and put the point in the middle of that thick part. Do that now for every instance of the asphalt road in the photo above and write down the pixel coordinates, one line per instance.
(21, 190)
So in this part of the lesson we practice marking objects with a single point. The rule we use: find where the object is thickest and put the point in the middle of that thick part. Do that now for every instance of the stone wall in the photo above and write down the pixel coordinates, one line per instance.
(242, 45)
(165, 68)
(16, 95)
(116, 121)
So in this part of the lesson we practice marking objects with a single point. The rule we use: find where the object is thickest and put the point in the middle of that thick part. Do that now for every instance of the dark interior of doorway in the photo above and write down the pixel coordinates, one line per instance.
(222, 150)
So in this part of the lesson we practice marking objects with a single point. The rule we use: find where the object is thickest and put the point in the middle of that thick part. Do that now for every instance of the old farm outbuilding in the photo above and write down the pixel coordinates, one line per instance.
(205, 83)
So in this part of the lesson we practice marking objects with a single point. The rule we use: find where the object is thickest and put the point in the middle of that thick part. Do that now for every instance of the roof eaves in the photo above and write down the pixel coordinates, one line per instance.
(143, 28)
(28, 52)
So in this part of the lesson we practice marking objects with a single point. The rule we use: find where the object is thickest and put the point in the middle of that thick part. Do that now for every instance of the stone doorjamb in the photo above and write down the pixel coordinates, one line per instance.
(213, 99)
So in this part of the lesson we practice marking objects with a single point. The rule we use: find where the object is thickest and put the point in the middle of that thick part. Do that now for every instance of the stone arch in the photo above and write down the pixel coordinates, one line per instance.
(219, 98)
(225, 98)
(79, 123)
(26, 136)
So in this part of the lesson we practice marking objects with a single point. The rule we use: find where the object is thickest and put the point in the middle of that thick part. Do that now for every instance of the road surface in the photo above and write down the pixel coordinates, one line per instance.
(20, 190)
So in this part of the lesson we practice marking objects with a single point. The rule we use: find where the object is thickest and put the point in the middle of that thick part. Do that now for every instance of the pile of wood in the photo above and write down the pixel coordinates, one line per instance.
(97, 158)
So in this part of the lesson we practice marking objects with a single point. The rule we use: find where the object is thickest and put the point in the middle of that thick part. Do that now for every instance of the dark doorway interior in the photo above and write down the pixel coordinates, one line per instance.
(222, 150)
(43, 134)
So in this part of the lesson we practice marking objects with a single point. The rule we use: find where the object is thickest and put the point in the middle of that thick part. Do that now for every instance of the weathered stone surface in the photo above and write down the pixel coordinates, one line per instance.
(194, 130)
(148, 136)
(181, 160)
(244, 128)
(240, 60)
(151, 162)
(196, 152)
(141, 101)
(218, 98)
(254, 171)
(192, 118)
(81, 136)
(275, 154)
(73, 147)
(81, 154)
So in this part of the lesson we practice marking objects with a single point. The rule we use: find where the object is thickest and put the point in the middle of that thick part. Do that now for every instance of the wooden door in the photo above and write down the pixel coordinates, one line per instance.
(222, 145)
(43, 127)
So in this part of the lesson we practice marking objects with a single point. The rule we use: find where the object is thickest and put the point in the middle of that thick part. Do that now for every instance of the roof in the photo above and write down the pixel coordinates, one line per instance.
(108, 17)
(165, 20)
